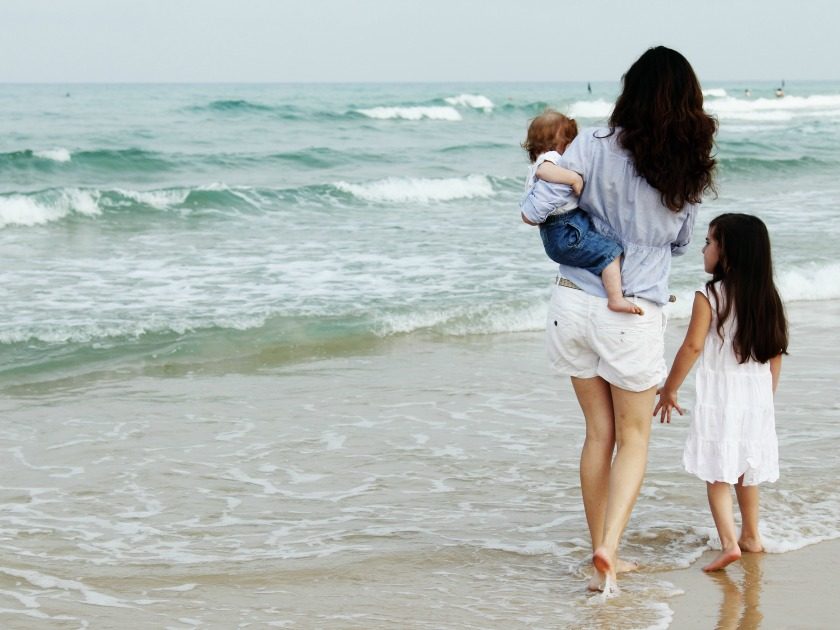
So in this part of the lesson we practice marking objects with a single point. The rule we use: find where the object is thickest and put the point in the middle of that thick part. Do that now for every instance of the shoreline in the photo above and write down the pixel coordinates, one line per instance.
(789, 590)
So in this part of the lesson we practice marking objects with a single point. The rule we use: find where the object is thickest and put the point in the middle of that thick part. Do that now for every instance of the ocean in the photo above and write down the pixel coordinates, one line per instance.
(270, 356)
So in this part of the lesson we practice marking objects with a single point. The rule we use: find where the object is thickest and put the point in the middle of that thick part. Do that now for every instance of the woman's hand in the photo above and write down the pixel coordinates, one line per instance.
(667, 401)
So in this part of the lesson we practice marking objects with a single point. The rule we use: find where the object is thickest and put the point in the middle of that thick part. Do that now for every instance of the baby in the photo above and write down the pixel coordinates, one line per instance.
(567, 234)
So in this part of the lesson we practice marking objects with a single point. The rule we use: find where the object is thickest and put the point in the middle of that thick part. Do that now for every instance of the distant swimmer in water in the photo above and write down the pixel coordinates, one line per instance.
(748, 92)
(589, 88)
(780, 91)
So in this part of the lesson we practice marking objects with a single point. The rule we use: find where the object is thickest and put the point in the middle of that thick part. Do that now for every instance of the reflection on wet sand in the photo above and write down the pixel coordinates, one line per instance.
(740, 608)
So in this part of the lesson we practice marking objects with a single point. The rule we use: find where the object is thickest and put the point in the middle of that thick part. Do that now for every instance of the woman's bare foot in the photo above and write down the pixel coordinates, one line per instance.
(625, 566)
(604, 565)
(623, 305)
(751, 545)
(596, 582)
(725, 558)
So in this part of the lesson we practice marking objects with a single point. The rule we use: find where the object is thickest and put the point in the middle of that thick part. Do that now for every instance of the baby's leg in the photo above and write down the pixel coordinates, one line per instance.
(611, 277)
(750, 539)
(720, 502)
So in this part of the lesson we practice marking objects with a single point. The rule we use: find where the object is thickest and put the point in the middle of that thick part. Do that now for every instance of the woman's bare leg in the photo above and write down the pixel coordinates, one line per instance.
(595, 401)
(750, 539)
(633, 413)
(720, 502)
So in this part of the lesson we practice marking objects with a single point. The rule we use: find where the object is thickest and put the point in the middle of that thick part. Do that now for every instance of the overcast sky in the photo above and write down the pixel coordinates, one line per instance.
(409, 40)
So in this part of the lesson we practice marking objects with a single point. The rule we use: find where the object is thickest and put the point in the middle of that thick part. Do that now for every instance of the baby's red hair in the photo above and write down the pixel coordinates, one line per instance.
(547, 132)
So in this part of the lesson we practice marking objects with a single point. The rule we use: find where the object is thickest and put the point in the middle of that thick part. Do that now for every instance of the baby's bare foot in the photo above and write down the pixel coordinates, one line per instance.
(623, 305)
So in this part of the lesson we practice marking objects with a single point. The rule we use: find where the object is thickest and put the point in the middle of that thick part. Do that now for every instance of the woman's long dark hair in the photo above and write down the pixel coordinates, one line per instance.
(661, 123)
(745, 272)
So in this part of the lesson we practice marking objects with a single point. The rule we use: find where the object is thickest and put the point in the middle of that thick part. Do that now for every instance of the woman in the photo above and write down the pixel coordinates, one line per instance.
(644, 176)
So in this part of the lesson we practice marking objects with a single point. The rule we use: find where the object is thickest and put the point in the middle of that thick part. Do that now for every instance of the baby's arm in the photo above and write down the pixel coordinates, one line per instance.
(550, 172)
(776, 370)
(542, 200)
(692, 346)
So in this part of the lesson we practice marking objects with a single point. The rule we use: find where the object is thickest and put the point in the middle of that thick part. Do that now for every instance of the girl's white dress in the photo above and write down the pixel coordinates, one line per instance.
(733, 430)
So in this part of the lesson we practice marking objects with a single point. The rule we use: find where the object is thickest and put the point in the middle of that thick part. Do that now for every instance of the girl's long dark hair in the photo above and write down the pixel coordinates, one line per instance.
(661, 123)
(745, 272)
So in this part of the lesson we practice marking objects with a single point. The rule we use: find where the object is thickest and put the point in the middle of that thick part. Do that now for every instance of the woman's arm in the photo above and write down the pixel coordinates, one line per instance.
(692, 346)
(680, 245)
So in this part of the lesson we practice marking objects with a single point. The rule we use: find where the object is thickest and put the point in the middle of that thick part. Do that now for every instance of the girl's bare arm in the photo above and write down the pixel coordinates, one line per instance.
(692, 346)
(776, 370)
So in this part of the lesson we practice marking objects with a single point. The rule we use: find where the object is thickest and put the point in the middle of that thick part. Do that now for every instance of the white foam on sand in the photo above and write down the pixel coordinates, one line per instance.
(42, 580)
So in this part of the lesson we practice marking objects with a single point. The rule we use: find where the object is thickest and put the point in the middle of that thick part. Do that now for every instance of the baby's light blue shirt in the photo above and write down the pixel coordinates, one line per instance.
(623, 207)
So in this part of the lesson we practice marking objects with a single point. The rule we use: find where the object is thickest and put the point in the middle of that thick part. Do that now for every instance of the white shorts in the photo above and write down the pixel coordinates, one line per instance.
(586, 339)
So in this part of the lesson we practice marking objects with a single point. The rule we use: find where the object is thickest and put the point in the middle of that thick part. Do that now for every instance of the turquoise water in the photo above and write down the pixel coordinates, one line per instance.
(285, 220)
(271, 355)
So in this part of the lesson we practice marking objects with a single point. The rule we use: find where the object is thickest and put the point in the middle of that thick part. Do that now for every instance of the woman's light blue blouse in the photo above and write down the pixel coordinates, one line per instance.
(623, 207)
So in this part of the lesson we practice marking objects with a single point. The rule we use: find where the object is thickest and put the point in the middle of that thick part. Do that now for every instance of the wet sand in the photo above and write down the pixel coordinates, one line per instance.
(790, 590)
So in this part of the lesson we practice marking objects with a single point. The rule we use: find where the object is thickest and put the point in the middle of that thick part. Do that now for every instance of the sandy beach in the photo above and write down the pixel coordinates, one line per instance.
(423, 484)
(795, 591)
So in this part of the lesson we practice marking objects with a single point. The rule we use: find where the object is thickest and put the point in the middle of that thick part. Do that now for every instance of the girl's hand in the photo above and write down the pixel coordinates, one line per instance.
(667, 401)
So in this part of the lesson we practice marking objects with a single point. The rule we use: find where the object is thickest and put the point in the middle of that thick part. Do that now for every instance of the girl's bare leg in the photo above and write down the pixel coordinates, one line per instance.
(720, 502)
(750, 539)
(632, 431)
(593, 395)
(611, 277)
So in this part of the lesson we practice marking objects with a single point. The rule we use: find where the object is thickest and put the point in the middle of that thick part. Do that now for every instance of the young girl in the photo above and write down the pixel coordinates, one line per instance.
(567, 233)
(738, 324)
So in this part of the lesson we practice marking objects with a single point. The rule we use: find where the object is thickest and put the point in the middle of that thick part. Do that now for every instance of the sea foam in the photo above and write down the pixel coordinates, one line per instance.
(476, 101)
(412, 113)
(160, 199)
(813, 282)
(600, 109)
(29, 210)
(420, 189)
(56, 155)
(809, 283)
(776, 109)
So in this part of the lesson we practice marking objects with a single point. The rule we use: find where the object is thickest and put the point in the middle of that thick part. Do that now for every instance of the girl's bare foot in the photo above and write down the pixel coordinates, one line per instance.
(623, 305)
(751, 545)
(725, 558)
